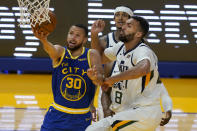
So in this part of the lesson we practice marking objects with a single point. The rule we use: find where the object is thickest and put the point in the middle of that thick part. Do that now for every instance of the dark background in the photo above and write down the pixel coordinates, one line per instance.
(76, 11)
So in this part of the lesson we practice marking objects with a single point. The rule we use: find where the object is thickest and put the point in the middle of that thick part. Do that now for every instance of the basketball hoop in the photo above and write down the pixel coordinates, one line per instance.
(33, 11)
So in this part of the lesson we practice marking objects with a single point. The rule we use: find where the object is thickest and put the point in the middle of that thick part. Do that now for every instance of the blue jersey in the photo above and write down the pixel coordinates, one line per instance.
(73, 91)
(71, 86)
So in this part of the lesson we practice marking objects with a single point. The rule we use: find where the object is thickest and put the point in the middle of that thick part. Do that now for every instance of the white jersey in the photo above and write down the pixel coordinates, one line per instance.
(134, 92)
(111, 41)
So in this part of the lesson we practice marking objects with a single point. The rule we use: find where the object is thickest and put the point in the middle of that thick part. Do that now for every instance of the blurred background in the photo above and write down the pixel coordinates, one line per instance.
(25, 69)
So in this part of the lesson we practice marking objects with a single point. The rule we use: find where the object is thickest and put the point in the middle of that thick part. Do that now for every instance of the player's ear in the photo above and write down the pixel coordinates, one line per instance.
(85, 40)
(139, 34)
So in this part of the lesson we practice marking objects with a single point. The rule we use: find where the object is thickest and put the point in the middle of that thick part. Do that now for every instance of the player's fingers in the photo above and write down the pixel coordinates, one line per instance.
(161, 124)
(103, 24)
(99, 21)
(94, 116)
(100, 24)
(44, 34)
(35, 32)
(96, 23)
(90, 71)
(41, 34)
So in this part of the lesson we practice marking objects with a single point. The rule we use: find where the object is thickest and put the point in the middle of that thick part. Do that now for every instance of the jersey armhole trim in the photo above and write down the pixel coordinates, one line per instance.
(113, 36)
(89, 60)
(63, 54)
(132, 60)
(112, 69)
(107, 41)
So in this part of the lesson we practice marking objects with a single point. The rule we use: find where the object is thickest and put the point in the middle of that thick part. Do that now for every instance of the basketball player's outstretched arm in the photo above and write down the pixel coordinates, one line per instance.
(96, 42)
(95, 73)
(54, 51)
(140, 69)
(167, 105)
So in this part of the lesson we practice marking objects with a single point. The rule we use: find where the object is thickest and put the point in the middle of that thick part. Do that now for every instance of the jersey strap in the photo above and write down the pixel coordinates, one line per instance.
(70, 110)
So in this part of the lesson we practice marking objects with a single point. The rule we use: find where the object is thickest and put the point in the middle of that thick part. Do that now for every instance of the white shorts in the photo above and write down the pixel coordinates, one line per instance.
(145, 118)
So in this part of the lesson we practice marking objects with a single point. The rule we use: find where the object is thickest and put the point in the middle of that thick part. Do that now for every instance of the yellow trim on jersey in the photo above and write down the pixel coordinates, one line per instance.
(48, 108)
(147, 79)
(72, 57)
(70, 110)
(63, 54)
(120, 124)
(96, 96)
(88, 56)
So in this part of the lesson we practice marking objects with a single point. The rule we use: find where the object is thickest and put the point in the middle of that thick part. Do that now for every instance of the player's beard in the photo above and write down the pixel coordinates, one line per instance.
(126, 38)
(75, 47)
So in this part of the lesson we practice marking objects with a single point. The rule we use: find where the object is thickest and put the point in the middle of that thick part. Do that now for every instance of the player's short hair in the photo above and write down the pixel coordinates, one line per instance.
(143, 24)
(83, 27)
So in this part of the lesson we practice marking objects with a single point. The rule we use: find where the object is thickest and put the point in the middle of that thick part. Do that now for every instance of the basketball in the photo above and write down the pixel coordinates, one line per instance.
(47, 26)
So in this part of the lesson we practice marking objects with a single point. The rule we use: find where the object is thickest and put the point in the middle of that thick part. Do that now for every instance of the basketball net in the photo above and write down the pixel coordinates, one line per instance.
(33, 11)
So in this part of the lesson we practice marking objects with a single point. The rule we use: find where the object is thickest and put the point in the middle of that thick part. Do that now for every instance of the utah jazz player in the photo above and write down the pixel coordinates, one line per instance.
(73, 90)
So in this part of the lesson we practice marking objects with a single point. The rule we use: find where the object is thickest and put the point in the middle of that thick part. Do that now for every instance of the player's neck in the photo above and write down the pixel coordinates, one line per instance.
(77, 52)
(131, 44)
(117, 34)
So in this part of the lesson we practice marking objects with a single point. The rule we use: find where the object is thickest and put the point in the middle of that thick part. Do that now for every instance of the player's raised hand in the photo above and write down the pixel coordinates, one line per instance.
(94, 75)
(97, 26)
(166, 119)
(40, 34)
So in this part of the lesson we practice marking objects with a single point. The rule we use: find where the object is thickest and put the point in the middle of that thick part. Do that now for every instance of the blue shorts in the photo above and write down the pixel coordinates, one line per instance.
(59, 121)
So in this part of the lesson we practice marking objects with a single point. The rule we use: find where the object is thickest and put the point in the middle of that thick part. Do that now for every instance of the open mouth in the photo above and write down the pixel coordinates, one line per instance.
(71, 43)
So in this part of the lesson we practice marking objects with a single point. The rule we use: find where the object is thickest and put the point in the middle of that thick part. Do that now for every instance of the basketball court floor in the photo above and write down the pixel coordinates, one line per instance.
(24, 99)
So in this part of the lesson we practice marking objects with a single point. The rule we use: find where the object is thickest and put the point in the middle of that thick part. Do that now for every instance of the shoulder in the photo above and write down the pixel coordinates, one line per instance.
(142, 52)
(143, 48)
(118, 46)
(114, 50)
(59, 48)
